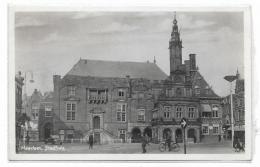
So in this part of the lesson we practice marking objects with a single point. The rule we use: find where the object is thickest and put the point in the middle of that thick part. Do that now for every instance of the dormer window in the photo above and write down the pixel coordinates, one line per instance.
(71, 90)
(207, 90)
(215, 111)
(197, 90)
(121, 93)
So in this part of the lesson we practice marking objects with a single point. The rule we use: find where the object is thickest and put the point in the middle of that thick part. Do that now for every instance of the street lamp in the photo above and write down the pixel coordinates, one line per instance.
(230, 79)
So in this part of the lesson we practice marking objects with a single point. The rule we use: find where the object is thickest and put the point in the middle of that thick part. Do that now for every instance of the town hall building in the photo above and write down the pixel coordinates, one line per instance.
(120, 101)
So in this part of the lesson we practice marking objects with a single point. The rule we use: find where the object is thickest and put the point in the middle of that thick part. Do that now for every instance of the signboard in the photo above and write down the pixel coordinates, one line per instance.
(184, 123)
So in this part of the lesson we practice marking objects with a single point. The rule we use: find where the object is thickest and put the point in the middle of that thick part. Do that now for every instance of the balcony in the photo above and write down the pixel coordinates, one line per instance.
(97, 99)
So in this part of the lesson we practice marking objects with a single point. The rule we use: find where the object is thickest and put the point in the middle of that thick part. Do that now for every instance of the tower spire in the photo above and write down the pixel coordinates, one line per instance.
(175, 20)
(175, 47)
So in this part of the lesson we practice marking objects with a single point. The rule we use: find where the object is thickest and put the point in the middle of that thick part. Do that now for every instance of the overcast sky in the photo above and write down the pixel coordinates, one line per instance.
(51, 43)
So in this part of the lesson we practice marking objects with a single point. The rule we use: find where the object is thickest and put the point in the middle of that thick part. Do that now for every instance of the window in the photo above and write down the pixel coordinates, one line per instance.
(188, 92)
(215, 112)
(191, 112)
(48, 111)
(35, 112)
(71, 110)
(141, 115)
(197, 90)
(179, 112)
(121, 112)
(71, 90)
(121, 93)
(207, 90)
(166, 112)
(205, 129)
(178, 92)
(206, 114)
(216, 129)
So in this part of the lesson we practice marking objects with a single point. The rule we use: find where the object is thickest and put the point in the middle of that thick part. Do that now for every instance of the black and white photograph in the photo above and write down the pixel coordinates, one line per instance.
(130, 84)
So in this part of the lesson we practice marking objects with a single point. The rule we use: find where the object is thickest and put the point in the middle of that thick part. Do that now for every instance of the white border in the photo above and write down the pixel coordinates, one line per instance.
(131, 157)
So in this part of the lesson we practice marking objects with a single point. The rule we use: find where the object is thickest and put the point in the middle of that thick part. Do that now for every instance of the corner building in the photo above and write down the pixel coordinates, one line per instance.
(185, 93)
(119, 101)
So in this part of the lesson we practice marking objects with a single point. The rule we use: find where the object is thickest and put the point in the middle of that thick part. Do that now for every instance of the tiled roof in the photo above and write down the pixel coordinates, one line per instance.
(117, 69)
(199, 82)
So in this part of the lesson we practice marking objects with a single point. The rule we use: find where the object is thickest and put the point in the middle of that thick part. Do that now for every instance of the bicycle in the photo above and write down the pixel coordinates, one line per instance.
(174, 146)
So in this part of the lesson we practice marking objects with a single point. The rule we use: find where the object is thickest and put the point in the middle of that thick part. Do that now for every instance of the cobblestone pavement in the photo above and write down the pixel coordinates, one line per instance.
(127, 148)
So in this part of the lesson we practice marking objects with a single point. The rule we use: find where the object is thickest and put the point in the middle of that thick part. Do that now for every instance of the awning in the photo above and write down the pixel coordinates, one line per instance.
(206, 108)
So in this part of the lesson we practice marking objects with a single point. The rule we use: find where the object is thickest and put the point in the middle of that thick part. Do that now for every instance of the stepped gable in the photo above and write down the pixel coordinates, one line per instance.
(199, 82)
(117, 69)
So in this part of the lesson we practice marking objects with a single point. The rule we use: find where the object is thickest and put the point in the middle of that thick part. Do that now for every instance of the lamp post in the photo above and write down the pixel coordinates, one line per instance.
(230, 79)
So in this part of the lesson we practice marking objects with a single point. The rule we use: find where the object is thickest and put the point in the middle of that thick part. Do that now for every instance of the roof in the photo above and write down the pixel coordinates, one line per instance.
(117, 69)
(199, 82)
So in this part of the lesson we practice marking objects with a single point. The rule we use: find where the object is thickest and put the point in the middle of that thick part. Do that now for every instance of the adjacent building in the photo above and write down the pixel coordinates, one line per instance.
(18, 107)
(238, 111)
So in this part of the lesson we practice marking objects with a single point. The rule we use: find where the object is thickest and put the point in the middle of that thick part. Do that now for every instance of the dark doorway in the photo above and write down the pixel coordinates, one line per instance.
(96, 122)
(136, 135)
(166, 133)
(97, 138)
(191, 134)
(178, 136)
(148, 131)
(47, 130)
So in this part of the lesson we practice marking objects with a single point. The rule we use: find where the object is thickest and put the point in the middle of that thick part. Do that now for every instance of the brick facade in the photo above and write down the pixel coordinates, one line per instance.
(120, 101)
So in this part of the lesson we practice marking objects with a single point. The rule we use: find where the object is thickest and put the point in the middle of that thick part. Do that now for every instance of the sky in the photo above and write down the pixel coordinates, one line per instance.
(50, 43)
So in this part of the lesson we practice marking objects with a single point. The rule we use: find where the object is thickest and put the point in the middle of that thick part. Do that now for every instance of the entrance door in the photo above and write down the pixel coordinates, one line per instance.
(178, 136)
(47, 130)
(136, 135)
(166, 133)
(191, 135)
(97, 138)
(96, 122)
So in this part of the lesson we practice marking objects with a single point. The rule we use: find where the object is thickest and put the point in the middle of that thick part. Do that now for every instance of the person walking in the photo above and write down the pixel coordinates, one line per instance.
(90, 141)
(27, 138)
(145, 141)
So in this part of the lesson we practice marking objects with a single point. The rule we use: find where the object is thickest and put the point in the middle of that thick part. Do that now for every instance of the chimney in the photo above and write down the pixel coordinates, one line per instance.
(193, 68)
(187, 67)
(130, 85)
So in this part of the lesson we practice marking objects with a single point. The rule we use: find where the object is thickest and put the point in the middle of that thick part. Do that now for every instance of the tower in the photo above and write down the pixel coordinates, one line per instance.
(175, 47)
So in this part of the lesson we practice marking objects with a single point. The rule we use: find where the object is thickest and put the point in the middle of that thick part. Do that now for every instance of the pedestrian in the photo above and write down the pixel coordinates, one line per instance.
(194, 139)
(27, 139)
(169, 140)
(219, 138)
(90, 141)
(145, 141)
